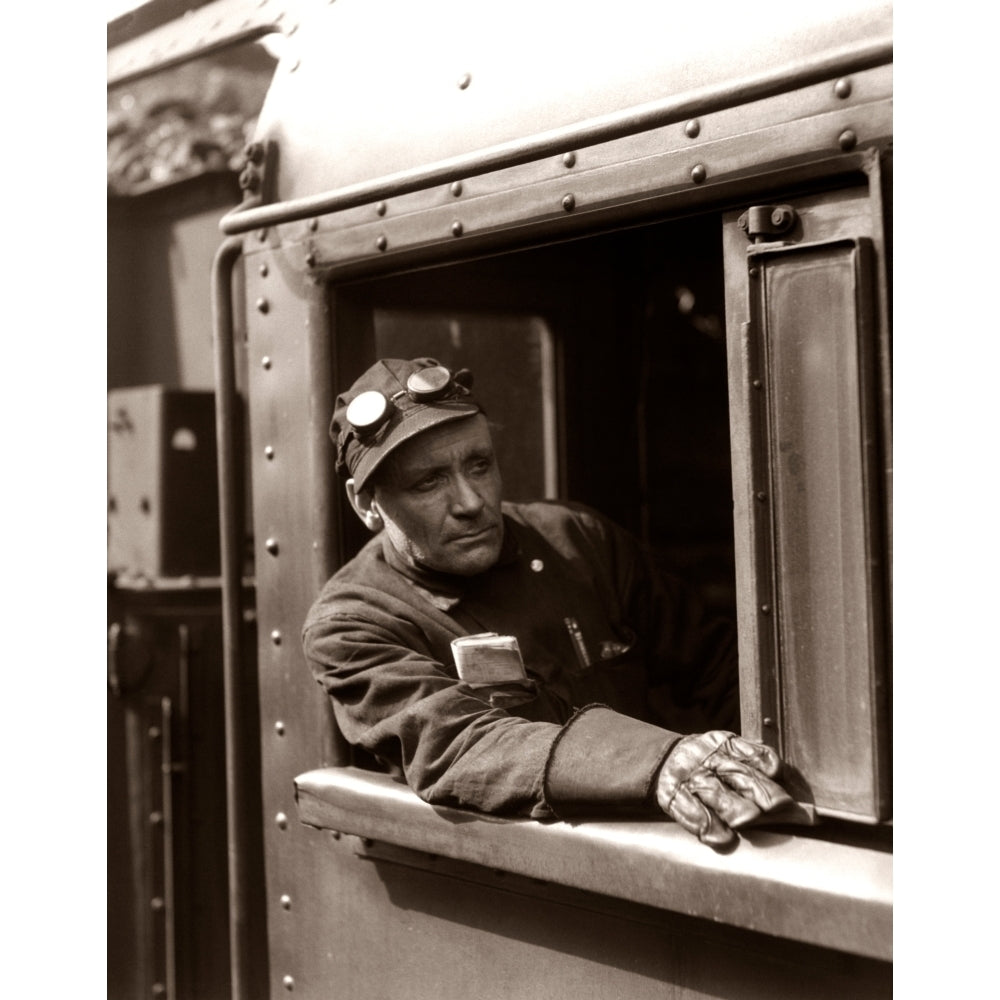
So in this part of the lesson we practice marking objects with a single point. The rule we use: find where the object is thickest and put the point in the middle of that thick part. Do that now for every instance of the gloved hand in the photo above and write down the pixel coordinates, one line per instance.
(712, 783)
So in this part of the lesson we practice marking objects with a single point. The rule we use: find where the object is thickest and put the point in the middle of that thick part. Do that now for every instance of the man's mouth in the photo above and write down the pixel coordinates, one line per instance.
(475, 536)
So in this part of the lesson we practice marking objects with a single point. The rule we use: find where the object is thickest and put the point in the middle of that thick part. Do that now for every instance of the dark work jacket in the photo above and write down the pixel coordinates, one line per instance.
(590, 735)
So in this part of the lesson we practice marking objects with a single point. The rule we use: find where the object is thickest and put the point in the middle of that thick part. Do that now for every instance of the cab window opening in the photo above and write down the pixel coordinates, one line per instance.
(602, 364)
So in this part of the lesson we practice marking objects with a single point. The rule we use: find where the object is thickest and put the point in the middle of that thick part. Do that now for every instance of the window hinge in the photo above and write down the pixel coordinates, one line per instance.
(765, 221)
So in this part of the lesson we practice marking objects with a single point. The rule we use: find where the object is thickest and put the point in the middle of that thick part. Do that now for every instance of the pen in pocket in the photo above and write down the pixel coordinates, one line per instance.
(579, 646)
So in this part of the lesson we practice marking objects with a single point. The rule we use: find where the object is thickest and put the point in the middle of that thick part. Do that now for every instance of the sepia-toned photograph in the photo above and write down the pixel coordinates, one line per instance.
(499, 500)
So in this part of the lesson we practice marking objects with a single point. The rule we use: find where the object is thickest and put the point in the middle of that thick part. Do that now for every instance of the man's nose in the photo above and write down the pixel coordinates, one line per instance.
(466, 500)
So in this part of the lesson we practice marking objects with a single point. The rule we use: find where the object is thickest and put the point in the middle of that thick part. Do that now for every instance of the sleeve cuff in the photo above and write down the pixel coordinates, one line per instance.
(605, 762)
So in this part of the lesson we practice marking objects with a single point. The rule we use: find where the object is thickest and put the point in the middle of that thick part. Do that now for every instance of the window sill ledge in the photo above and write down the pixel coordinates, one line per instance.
(774, 882)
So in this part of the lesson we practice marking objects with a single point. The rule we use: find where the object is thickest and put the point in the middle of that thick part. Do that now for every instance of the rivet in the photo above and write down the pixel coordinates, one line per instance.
(154, 732)
(381, 243)
(757, 384)
(335, 834)
(537, 565)
(269, 453)
(288, 983)
(265, 363)
(272, 546)
(263, 270)
(249, 179)
(159, 990)
(464, 80)
(698, 173)
(456, 188)
(569, 203)
(692, 128)
(282, 820)
(761, 497)
(754, 272)
(263, 305)
(156, 903)
(155, 818)
(286, 902)
(569, 159)
(765, 609)
(380, 208)
(456, 228)
(313, 225)
(262, 234)
(279, 728)
(276, 637)
(768, 721)
(311, 258)
(848, 139)
(842, 88)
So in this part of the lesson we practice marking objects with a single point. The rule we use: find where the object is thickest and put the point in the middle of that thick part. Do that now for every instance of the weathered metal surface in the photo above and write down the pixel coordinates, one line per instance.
(412, 110)
(753, 122)
(818, 321)
(806, 464)
(794, 887)
(381, 925)
(647, 166)
(290, 384)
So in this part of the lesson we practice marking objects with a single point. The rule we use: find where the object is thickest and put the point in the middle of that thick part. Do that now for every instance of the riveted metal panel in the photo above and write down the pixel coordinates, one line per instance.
(462, 88)
(289, 386)
(731, 142)
(628, 179)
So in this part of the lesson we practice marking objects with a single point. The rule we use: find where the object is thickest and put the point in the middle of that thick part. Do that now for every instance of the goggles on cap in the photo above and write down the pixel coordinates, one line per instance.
(371, 410)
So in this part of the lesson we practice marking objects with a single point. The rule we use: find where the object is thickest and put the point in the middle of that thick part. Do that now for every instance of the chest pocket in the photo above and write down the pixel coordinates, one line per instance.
(616, 676)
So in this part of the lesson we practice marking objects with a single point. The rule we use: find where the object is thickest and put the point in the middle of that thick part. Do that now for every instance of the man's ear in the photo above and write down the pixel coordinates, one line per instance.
(364, 506)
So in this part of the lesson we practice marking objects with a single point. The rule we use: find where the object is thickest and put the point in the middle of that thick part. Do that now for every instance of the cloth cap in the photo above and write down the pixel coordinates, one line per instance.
(409, 406)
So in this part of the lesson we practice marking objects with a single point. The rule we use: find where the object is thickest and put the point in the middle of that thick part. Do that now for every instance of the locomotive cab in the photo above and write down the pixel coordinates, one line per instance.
(662, 244)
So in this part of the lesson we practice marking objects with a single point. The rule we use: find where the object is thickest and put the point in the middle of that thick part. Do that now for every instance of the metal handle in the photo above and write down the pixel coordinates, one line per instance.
(237, 723)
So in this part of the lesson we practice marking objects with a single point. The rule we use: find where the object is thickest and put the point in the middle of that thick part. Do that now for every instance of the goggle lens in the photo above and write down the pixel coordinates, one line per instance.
(428, 384)
(369, 410)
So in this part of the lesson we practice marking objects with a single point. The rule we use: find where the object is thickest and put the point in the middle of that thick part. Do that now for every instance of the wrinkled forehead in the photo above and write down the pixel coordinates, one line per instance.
(439, 447)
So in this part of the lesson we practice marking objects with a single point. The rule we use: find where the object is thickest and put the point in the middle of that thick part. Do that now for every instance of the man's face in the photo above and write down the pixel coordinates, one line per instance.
(439, 498)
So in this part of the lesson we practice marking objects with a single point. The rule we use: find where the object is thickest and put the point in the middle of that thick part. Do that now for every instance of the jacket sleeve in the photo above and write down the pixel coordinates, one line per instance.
(454, 748)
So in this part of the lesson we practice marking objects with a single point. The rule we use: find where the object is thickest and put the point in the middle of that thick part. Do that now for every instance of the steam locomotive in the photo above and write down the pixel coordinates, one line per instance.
(662, 239)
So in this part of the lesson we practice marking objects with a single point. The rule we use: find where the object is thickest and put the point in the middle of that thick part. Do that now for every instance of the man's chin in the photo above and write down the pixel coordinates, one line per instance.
(467, 557)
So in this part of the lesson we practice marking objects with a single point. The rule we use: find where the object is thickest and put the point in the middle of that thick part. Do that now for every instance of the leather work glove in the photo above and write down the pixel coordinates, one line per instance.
(712, 783)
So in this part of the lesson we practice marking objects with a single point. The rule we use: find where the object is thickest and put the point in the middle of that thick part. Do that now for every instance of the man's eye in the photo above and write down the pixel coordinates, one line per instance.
(481, 466)
(426, 484)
